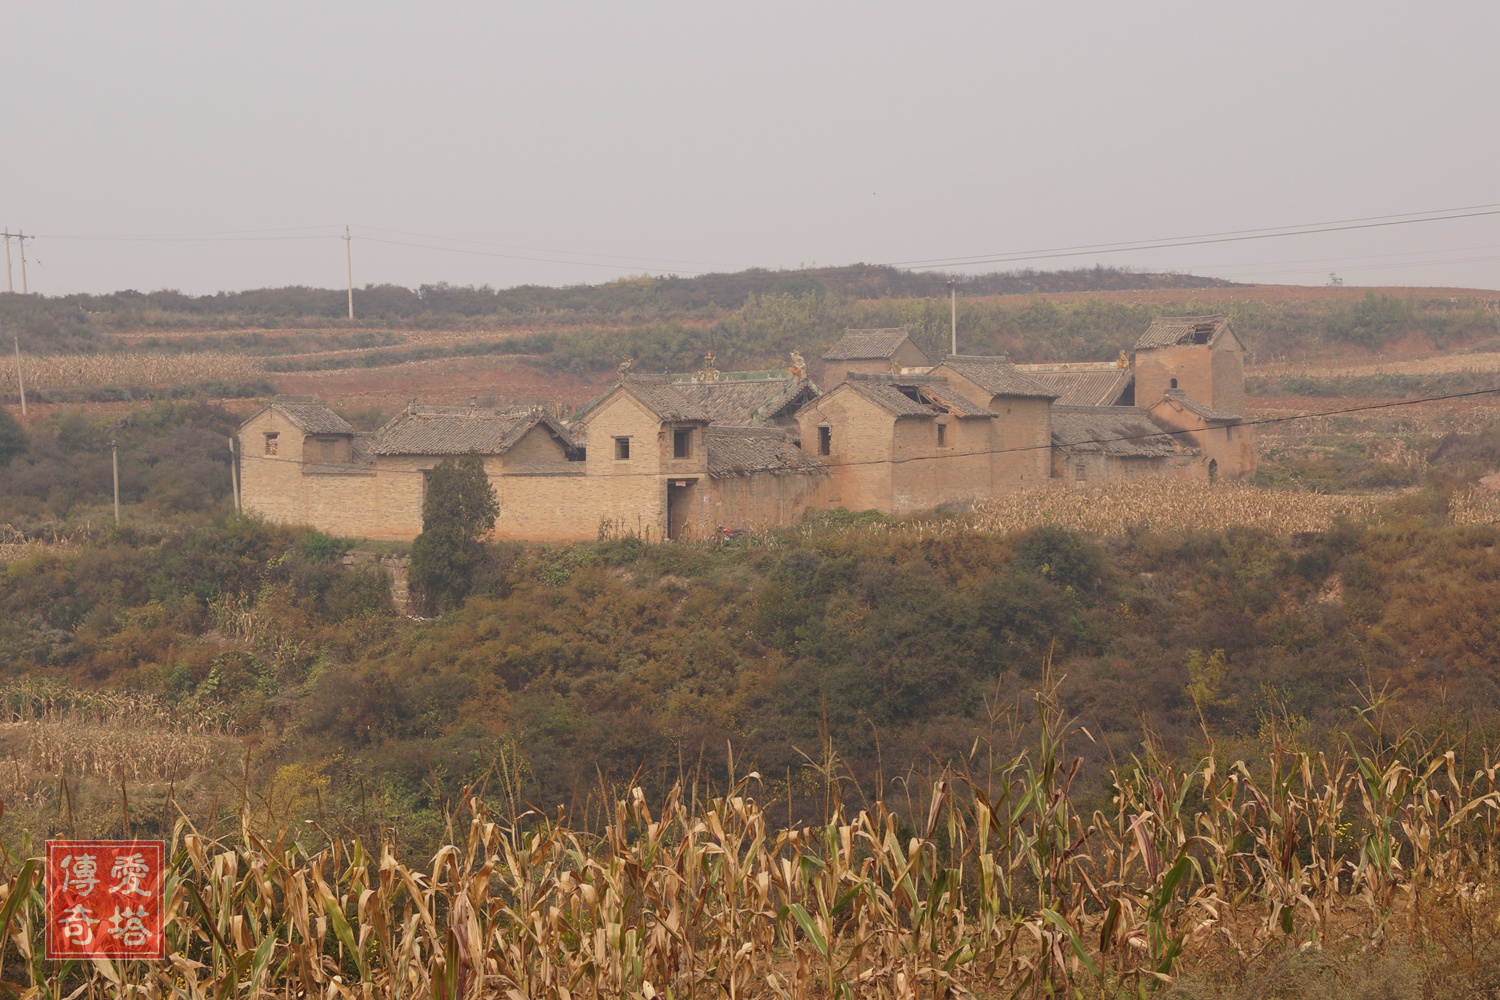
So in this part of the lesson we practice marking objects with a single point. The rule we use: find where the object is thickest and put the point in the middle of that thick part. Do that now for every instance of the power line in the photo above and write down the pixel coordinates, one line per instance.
(1184, 242)
(932, 263)
(187, 236)
(1489, 209)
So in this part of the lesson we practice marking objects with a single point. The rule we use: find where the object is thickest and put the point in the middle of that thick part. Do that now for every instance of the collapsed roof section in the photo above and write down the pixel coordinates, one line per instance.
(914, 396)
(1171, 331)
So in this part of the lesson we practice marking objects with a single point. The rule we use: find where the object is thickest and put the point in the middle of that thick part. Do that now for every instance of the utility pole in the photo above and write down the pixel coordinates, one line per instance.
(114, 455)
(349, 263)
(10, 283)
(20, 379)
(953, 307)
(21, 239)
(234, 476)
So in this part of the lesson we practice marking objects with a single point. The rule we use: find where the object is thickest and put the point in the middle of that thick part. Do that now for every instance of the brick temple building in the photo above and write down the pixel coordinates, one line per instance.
(889, 428)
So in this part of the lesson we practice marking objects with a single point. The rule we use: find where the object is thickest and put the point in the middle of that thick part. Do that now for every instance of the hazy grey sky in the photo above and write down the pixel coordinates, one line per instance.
(692, 136)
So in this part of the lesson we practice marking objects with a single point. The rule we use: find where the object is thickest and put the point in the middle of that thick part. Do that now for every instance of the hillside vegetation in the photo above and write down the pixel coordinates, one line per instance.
(748, 320)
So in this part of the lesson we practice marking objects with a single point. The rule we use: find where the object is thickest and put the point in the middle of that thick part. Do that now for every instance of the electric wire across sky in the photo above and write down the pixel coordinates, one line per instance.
(627, 262)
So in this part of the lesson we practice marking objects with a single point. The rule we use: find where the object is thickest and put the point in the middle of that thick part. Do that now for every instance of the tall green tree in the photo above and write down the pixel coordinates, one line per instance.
(458, 511)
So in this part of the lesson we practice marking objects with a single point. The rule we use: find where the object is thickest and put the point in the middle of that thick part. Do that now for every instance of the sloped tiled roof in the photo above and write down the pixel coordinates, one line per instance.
(1101, 383)
(311, 414)
(890, 393)
(1117, 431)
(1202, 409)
(657, 393)
(457, 430)
(660, 396)
(867, 345)
(746, 402)
(1166, 331)
(741, 451)
(997, 376)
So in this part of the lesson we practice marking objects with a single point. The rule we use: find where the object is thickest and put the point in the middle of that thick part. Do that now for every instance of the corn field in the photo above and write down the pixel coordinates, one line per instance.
(1476, 505)
(1000, 883)
(73, 371)
(1168, 505)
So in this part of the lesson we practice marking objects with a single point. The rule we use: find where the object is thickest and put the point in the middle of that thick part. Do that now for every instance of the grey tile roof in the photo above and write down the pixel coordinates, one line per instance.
(747, 402)
(1203, 410)
(311, 414)
(1117, 431)
(457, 430)
(659, 395)
(1101, 384)
(1166, 331)
(997, 376)
(893, 393)
(866, 345)
(742, 451)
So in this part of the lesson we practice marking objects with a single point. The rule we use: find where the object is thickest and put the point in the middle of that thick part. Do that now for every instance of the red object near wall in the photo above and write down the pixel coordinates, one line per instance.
(104, 899)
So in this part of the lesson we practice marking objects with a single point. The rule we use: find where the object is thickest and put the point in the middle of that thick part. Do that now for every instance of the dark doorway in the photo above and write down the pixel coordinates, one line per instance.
(682, 507)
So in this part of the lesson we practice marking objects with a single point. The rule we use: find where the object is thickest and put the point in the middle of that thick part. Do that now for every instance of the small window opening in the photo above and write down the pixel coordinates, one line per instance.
(682, 443)
(271, 443)
(1174, 383)
(942, 435)
(825, 440)
(622, 449)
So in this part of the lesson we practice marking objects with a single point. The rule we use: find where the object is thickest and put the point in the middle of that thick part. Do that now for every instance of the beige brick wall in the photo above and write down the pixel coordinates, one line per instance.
(1022, 442)
(1228, 377)
(1020, 435)
(1191, 365)
(762, 500)
(1212, 375)
(1097, 469)
(859, 449)
(1230, 446)
(926, 476)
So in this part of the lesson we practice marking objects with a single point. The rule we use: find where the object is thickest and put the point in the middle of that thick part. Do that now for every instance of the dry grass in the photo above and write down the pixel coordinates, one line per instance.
(17, 544)
(1005, 886)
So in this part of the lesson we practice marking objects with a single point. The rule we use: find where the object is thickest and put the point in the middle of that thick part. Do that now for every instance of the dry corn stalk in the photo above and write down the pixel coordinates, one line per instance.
(997, 885)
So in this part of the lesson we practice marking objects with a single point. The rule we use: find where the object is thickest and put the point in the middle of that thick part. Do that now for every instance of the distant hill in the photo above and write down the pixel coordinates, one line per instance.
(70, 322)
